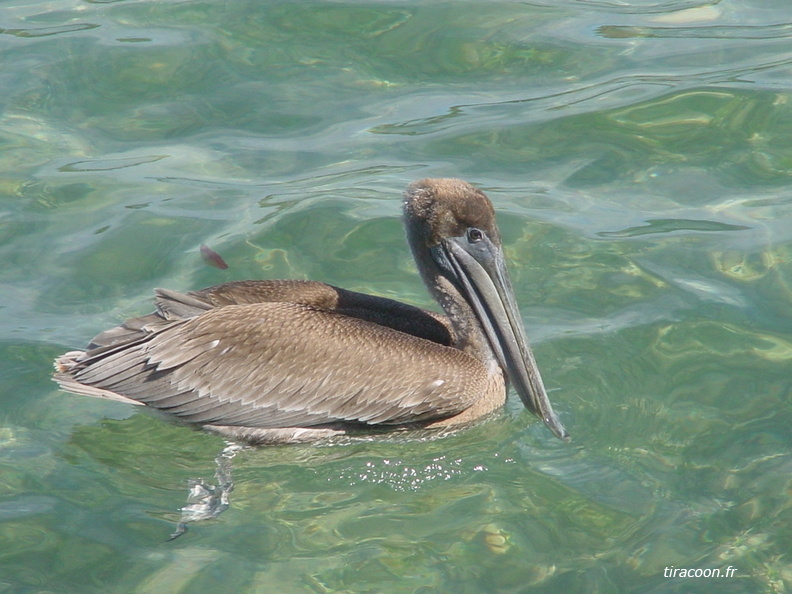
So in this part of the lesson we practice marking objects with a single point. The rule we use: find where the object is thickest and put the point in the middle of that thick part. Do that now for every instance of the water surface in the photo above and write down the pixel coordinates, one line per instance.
(639, 155)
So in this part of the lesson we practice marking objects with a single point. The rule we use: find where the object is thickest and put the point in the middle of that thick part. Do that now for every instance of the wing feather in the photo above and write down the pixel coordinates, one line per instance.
(278, 364)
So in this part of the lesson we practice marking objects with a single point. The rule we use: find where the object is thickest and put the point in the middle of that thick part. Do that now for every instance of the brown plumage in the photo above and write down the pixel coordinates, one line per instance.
(285, 361)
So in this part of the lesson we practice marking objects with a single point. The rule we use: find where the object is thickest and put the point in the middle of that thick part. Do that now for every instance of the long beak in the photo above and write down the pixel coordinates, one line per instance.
(480, 272)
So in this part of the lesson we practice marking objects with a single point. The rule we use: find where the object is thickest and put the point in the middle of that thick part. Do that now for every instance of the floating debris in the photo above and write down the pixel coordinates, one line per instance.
(212, 258)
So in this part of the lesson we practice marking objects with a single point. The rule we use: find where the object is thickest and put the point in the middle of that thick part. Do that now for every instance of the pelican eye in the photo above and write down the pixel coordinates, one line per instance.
(474, 235)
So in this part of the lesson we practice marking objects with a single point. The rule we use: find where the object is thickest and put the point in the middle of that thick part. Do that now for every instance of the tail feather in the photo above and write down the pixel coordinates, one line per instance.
(64, 366)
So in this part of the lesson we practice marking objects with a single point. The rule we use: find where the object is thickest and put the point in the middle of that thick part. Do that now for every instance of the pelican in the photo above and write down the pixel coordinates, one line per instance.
(285, 361)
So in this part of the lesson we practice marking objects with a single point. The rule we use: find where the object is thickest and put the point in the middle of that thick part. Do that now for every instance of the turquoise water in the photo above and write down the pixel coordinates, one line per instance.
(639, 154)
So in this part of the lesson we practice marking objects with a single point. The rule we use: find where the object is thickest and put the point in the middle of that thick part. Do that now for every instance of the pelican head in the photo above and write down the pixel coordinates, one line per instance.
(457, 246)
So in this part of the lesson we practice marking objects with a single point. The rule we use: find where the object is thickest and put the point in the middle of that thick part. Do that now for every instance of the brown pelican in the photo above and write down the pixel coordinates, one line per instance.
(291, 361)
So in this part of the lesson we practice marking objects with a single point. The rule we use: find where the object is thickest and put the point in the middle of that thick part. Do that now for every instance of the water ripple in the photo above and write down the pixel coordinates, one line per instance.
(781, 31)
(653, 226)
(48, 31)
